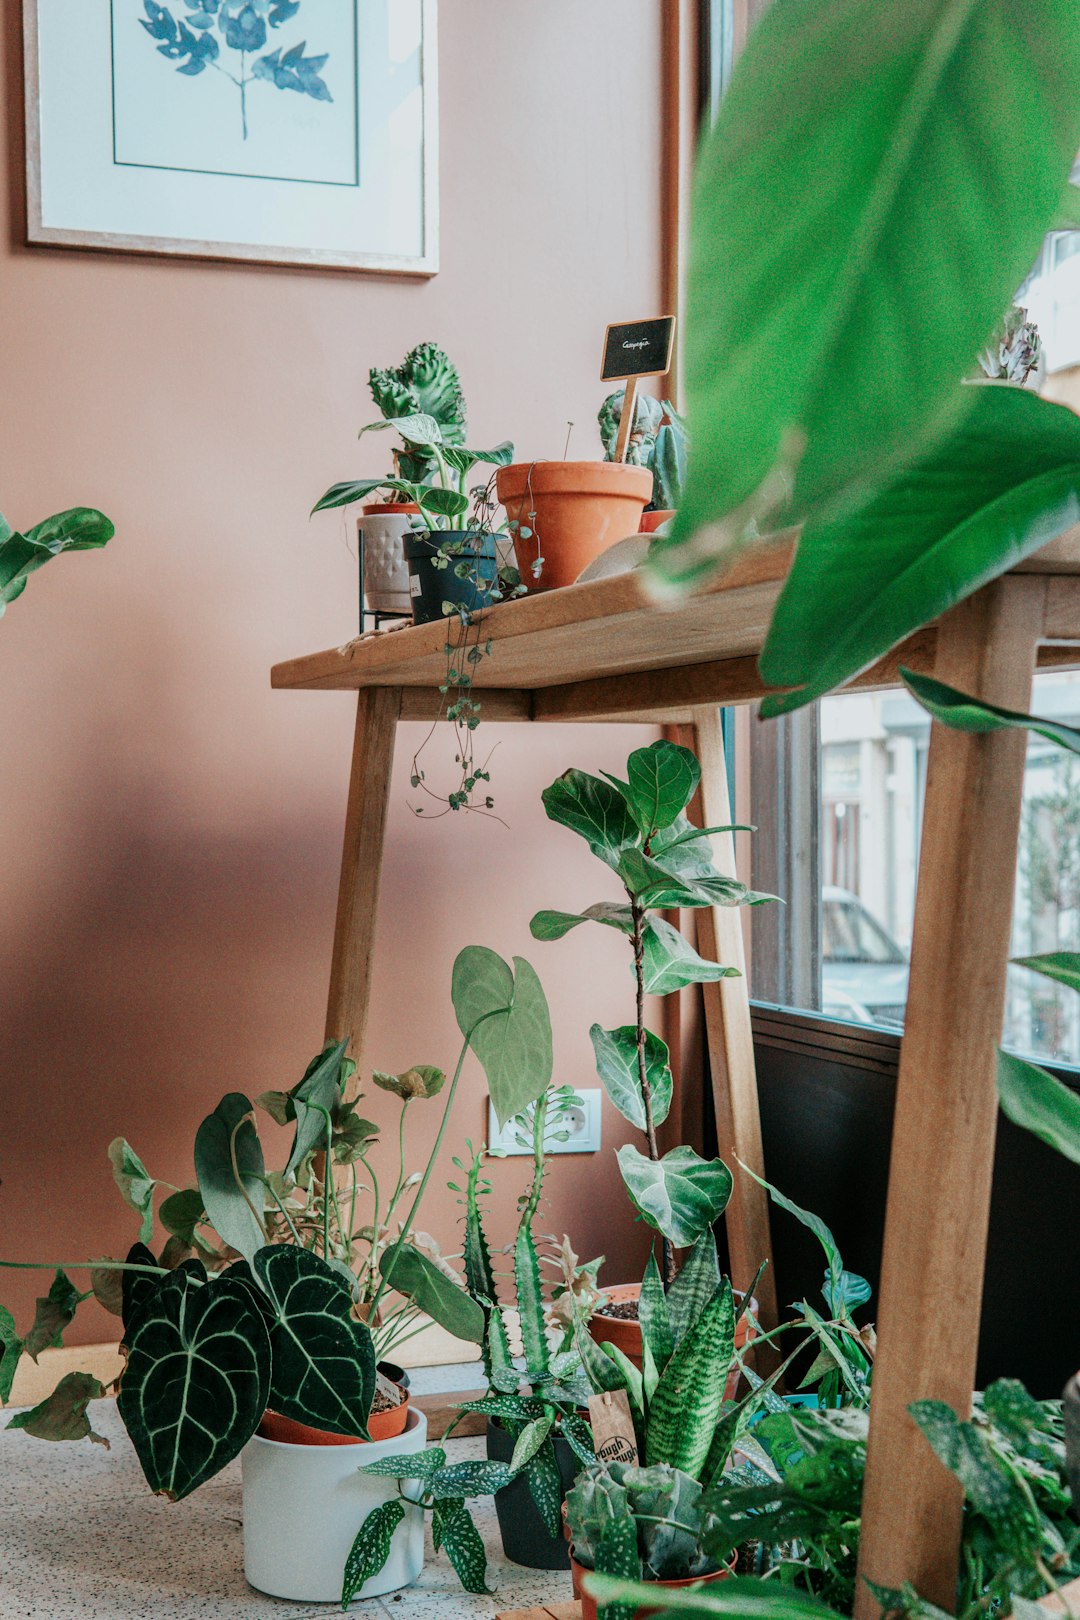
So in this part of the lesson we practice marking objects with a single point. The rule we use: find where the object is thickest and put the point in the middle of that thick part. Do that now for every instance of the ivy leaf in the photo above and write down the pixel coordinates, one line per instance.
(672, 962)
(62, 1415)
(371, 1548)
(135, 1183)
(232, 1193)
(617, 1065)
(680, 1195)
(54, 1312)
(503, 1012)
(10, 1353)
(452, 1528)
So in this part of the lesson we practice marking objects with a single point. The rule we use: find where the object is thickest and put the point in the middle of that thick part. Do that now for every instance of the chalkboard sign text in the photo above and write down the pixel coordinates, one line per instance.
(638, 348)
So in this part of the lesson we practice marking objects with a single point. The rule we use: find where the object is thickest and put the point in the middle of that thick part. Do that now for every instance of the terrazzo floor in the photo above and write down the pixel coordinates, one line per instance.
(80, 1536)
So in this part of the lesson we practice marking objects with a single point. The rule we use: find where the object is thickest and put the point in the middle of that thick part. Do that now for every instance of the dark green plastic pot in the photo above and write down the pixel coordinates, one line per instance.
(525, 1537)
(431, 586)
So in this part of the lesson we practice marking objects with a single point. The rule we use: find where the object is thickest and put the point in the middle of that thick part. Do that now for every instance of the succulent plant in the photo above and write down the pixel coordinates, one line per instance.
(425, 383)
(657, 441)
(665, 1507)
(1014, 349)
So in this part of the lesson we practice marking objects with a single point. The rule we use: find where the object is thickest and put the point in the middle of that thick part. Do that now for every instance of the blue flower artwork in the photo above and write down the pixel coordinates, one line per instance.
(200, 39)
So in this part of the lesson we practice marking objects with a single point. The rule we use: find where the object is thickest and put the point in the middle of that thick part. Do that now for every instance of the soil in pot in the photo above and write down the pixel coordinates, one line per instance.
(575, 509)
(386, 1419)
(525, 1536)
(588, 1604)
(430, 586)
(617, 1323)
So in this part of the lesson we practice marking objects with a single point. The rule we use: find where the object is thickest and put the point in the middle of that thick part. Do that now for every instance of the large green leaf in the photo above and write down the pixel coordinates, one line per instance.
(617, 1065)
(314, 1096)
(10, 1353)
(745, 1598)
(136, 1286)
(1062, 966)
(431, 1290)
(554, 924)
(596, 810)
(964, 713)
(1000, 485)
(1040, 1103)
(80, 528)
(503, 1013)
(656, 883)
(323, 1367)
(53, 1312)
(62, 1415)
(680, 1195)
(135, 1183)
(672, 962)
(358, 489)
(197, 1379)
(230, 1170)
(662, 779)
(830, 309)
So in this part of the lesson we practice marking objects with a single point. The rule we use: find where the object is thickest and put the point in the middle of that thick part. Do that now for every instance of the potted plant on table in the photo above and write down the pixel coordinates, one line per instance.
(269, 1301)
(657, 441)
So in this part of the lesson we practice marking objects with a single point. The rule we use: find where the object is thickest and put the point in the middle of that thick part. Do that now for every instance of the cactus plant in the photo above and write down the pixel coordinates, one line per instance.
(666, 1507)
(657, 441)
(425, 383)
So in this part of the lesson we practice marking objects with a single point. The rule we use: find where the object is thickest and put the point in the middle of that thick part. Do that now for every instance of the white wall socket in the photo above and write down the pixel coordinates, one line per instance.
(582, 1123)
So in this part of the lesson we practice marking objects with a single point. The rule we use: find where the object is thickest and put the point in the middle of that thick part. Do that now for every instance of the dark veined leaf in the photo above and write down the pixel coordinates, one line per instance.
(503, 1013)
(554, 924)
(449, 503)
(412, 1274)
(135, 1183)
(10, 1353)
(323, 1370)
(963, 713)
(617, 1065)
(136, 1286)
(62, 1415)
(358, 489)
(197, 1379)
(1064, 966)
(832, 353)
(452, 1528)
(230, 1171)
(680, 1195)
(661, 781)
(1040, 1103)
(53, 1312)
(672, 962)
(595, 810)
(998, 487)
(371, 1549)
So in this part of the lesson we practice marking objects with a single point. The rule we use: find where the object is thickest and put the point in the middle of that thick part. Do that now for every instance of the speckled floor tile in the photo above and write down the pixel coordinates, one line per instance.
(81, 1535)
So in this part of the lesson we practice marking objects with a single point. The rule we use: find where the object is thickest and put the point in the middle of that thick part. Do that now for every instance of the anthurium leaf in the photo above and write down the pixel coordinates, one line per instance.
(10, 1353)
(137, 1286)
(662, 779)
(230, 1171)
(680, 1195)
(62, 1415)
(323, 1366)
(997, 487)
(1040, 1103)
(452, 1528)
(670, 961)
(412, 1274)
(617, 1065)
(1064, 966)
(554, 924)
(697, 1280)
(874, 281)
(54, 1312)
(181, 1213)
(197, 1379)
(135, 1183)
(371, 1549)
(313, 1098)
(503, 1013)
(597, 811)
(964, 713)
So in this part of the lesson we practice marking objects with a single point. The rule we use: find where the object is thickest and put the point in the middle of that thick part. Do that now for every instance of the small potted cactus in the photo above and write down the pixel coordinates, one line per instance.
(1013, 353)
(658, 442)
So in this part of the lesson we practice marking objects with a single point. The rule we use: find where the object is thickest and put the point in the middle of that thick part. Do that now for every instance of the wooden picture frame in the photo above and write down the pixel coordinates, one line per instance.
(46, 230)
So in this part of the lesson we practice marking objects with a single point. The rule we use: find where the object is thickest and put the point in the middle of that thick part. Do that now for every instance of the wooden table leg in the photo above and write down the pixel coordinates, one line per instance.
(730, 1038)
(946, 1101)
(377, 711)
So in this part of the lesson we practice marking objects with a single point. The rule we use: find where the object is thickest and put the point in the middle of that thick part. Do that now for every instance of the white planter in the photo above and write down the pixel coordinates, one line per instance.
(386, 573)
(303, 1506)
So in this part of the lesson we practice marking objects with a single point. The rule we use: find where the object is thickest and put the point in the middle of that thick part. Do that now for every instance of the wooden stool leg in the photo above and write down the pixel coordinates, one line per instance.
(946, 1101)
(377, 711)
(730, 1038)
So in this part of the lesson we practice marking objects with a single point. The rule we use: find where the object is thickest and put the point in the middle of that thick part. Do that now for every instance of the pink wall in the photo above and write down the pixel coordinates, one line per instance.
(171, 827)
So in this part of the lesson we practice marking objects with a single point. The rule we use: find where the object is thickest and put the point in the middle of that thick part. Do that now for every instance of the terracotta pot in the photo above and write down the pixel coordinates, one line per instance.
(287, 1432)
(588, 1604)
(651, 521)
(626, 1336)
(380, 532)
(580, 508)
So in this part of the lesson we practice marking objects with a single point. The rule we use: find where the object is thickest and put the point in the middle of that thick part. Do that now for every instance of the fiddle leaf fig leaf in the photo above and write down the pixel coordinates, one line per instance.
(135, 1183)
(62, 1415)
(554, 924)
(663, 778)
(503, 1013)
(672, 962)
(680, 1195)
(323, 1366)
(54, 1312)
(1040, 1103)
(197, 1378)
(617, 1065)
(412, 1274)
(230, 1171)
(371, 1548)
(597, 811)
(10, 1353)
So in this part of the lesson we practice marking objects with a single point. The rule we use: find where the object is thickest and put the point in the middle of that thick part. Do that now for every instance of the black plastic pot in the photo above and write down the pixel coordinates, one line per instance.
(430, 586)
(525, 1537)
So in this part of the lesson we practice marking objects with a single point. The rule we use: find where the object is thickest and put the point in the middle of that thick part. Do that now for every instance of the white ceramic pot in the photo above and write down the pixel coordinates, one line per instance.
(386, 573)
(303, 1506)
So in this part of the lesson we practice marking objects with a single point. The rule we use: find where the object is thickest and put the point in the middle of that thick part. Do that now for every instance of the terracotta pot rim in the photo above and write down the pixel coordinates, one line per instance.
(373, 507)
(568, 476)
(619, 1292)
(666, 1586)
(334, 1440)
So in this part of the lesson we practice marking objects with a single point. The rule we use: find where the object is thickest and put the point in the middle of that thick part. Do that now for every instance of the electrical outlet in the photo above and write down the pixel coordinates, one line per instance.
(582, 1123)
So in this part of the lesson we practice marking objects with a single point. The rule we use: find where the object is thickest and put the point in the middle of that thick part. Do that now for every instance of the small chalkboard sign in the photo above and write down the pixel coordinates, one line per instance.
(634, 349)
(638, 348)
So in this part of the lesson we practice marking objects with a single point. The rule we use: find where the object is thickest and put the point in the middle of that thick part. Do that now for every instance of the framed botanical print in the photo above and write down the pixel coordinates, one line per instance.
(301, 132)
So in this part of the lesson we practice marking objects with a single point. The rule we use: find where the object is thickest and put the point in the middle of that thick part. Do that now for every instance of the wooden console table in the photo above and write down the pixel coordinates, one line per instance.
(601, 652)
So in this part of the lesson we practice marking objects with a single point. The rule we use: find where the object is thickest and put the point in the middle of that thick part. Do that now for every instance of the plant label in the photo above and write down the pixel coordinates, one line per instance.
(638, 348)
(613, 1427)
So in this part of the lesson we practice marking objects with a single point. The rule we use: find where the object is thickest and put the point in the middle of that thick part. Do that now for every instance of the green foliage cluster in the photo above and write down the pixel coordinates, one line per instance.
(657, 440)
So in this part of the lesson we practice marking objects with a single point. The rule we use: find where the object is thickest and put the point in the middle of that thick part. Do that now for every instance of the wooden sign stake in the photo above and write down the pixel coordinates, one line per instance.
(626, 420)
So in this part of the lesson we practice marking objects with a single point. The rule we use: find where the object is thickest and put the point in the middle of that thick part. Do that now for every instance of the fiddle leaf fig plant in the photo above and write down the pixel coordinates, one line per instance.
(80, 528)
(640, 830)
